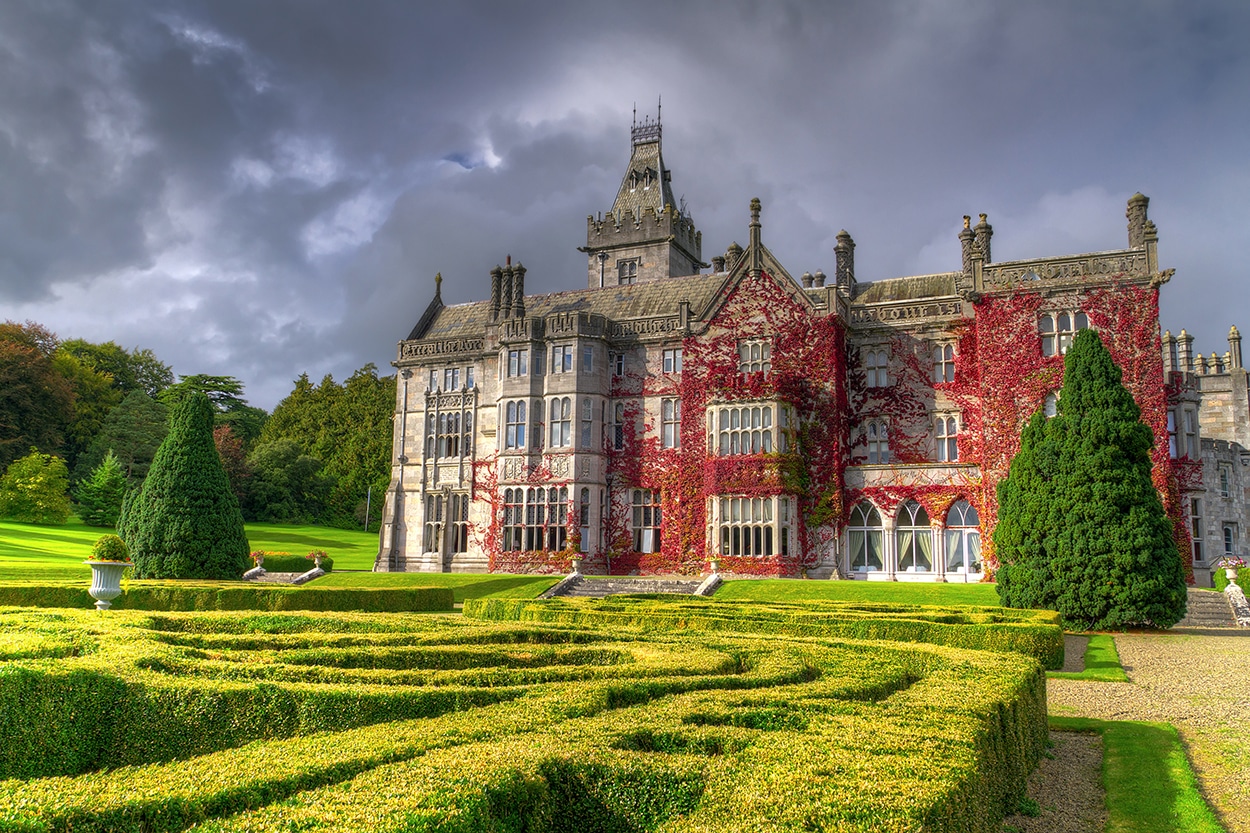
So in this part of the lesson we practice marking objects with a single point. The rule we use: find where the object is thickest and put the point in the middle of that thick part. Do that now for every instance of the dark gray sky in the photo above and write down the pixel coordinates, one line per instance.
(267, 188)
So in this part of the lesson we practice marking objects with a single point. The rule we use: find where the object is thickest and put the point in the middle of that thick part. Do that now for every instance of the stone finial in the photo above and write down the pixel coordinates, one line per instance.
(438, 285)
(966, 238)
(732, 255)
(819, 278)
(1234, 348)
(844, 257)
(983, 232)
(754, 245)
(807, 280)
(1169, 352)
(1137, 220)
(718, 264)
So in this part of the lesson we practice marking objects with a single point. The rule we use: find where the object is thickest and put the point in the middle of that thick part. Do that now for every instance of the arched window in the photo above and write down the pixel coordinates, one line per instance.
(946, 430)
(943, 363)
(863, 538)
(914, 539)
(878, 443)
(963, 539)
(876, 368)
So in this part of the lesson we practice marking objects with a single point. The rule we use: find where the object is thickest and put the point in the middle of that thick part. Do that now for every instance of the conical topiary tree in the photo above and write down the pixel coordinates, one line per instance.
(186, 522)
(1081, 528)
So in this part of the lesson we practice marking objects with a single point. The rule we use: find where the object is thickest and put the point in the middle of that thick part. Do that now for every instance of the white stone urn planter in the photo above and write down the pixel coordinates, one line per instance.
(1230, 573)
(106, 581)
(577, 564)
(715, 565)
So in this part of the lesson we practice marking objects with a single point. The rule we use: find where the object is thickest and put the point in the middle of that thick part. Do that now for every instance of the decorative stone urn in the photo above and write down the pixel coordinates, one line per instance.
(106, 581)
(577, 564)
(317, 561)
(1230, 573)
(715, 565)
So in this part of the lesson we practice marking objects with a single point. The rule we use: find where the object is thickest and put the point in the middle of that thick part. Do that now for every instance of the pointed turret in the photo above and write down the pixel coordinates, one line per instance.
(644, 236)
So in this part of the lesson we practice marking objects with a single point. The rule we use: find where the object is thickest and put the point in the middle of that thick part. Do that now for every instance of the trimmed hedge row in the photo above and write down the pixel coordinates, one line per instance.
(192, 596)
(287, 563)
(1033, 633)
(802, 734)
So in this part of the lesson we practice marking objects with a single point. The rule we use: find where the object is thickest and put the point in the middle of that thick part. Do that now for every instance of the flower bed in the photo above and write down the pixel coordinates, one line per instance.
(520, 725)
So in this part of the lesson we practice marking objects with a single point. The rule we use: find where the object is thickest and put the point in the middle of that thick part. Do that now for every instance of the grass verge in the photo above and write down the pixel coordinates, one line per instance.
(1149, 783)
(799, 590)
(1102, 662)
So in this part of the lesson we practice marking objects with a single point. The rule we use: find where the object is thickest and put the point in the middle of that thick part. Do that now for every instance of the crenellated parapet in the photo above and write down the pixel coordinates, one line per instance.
(651, 225)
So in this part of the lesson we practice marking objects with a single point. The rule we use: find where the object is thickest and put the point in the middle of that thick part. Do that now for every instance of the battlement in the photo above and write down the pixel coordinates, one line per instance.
(650, 226)
(1179, 356)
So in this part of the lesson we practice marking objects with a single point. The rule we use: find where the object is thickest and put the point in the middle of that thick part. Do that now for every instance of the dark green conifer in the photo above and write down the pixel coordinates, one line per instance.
(1081, 527)
(100, 495)
(186, 522)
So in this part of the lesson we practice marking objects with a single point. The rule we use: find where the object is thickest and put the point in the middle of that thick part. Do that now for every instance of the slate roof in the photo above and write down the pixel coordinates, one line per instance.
(618, 303)
(906, 289)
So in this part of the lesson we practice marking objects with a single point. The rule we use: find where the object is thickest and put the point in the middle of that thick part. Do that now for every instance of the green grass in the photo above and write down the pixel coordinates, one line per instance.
(1150, 786)
(798, 590)
(463, 585)
(1102, 662)
(29, 552)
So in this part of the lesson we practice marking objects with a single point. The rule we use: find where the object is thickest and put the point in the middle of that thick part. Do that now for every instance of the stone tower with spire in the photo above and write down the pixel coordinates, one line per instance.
(646, 235)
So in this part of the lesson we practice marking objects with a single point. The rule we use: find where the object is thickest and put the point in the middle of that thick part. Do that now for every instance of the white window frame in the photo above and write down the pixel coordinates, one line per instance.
(561, 422)
(562, 358)
(518, 363)
(755, 355)
(865, 539)
(514, 424)
(1057, 330)
(671, 360)
(910, 551)
(963, 539)
(876, 367)
(748, 428)
(877, 441)
(1230, 538)
(946, 433)
(753, 527)
(646, 520)
(943, 363)
(670, 423)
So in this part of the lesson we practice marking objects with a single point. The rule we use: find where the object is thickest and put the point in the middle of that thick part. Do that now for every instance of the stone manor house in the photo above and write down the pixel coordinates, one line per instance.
(676, 411)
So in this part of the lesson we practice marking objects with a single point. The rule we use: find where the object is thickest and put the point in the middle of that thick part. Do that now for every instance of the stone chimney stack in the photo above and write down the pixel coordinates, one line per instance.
(844, 269)
(807, 280)
(819, 278)
(718, 264)
(1185, 351)
(1234, 348)
(518, 291)
(732, 255)
(965, 245)
(496, 278)
(984, 231)
(505, 289)
(1169, 352)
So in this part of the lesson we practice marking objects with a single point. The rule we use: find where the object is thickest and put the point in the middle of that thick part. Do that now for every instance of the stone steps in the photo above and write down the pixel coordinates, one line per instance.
(1207, 609)
(600, 587)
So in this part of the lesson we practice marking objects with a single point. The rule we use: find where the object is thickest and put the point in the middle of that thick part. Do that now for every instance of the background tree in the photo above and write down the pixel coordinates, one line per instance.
(1082, 529)
(34, 490)
(36, 402)
(233, 461)
(134, 431)
(99, 497)
(287, 485)
(349, 428)
(95, 395)
(186, 523)
(229, 406)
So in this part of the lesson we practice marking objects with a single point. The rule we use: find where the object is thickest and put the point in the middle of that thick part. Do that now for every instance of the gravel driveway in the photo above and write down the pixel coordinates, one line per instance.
(1197, 680)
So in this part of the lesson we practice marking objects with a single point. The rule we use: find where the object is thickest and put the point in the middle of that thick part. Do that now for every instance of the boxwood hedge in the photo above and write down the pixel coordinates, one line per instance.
(210, 720)
(190, 595)
(1035, 633)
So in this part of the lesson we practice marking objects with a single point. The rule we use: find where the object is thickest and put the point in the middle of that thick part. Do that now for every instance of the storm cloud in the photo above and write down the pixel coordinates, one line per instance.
(265, 189)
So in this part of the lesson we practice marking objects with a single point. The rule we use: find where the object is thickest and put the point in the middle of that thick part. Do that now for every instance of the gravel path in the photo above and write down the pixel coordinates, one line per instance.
(1067, 786)
(1197, 680)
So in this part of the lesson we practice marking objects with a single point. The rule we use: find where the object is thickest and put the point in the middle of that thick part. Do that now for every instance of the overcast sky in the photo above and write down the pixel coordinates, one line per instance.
(263, 188)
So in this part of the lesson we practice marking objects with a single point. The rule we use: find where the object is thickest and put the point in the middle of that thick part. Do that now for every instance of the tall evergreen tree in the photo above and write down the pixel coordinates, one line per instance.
(134, 431)
(186, 522)
(99, 497)
(1082, 529)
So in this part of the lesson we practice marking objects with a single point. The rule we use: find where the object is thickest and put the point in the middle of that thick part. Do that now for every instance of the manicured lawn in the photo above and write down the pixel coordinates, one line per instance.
(1102, 662)
(797, 590)
(1150, 786)
(463, 585)
(29, 552)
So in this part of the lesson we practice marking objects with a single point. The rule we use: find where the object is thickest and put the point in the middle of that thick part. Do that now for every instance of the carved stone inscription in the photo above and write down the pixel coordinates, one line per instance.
(1129, 263)
(905, 312)
(446, 347)
(645, 327)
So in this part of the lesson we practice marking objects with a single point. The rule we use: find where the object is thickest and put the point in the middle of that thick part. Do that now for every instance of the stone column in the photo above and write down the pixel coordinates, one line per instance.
(1234, 348)
(889, 548)
(938, 530)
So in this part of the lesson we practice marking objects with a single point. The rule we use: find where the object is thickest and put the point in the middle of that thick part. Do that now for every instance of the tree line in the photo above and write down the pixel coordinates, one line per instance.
(80, 424)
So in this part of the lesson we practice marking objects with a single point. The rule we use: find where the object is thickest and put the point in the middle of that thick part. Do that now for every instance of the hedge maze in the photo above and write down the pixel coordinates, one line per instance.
(291, 721)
